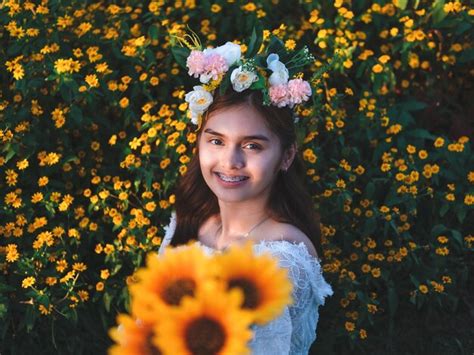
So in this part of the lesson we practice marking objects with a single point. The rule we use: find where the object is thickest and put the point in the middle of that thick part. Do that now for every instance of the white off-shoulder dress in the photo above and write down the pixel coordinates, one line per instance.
(294, 330)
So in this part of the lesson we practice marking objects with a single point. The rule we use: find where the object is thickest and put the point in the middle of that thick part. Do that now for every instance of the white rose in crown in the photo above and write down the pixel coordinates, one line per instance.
(242, 79)
(279, 74)
(199, 100)
(230, 51)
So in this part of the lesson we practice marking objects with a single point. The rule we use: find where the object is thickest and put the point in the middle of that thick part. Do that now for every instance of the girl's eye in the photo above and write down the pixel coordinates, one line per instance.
(215, 141)
(253, 146)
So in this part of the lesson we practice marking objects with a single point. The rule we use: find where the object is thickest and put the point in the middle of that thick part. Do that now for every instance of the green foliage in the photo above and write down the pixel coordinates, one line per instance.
(94, 135)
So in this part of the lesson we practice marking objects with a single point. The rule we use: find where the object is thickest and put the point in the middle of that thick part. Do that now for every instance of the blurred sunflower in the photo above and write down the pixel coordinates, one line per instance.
(168, 278)
(132, 336)
(210, 323)
(266, 287)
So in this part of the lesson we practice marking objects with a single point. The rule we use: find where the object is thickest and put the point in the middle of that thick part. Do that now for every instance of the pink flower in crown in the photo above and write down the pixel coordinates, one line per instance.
(215, 66)
(299, 90)
(196, 62)
(279, 95)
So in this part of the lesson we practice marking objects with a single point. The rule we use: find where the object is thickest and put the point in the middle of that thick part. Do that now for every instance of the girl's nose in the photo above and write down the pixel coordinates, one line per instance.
(233, 158)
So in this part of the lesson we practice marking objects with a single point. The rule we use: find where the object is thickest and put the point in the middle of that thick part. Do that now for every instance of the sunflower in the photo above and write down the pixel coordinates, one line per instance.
(168, 278)
(266, 287)
(210, 323)
(133, 336)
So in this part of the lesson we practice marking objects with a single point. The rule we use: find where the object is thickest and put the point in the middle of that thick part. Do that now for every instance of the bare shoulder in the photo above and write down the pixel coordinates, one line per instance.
(291, 233)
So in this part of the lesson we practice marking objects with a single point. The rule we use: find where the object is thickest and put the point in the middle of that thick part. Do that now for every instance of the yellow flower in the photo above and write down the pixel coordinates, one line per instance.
(98, 248)
(443, 251)
(79, 267)
(446, 279)
(442, 239)
(37, 197)
(411, 149)
(211, 323)
(51, 281)
(350, 326)
(164, 163)
(92, 80)
(216, 8)
(423, 288)
(359, 170)
(377, 68)
(249, 7)
(372, 308)
(385, 167)
(109, 249)
(45, 311)
(12, 253)
(437, 286)
(469, 199)
(423, 154)
(168, 278)
(99, 286)
(384, 59)
(104, 274)
(376, 272)
(28, 282)
(154, 81)
(150, 206)
(124, 102)
(290, 44)
(182, 169)
(266, 287)
(133, 336)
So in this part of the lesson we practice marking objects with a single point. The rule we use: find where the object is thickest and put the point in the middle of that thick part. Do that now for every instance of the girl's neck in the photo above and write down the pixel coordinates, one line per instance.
(236, 219)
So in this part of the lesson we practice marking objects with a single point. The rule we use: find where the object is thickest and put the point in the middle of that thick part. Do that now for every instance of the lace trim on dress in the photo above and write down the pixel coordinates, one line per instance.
(169, 231)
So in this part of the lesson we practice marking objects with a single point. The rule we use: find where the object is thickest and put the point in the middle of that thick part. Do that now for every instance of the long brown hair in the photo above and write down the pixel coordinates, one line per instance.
(289, 200)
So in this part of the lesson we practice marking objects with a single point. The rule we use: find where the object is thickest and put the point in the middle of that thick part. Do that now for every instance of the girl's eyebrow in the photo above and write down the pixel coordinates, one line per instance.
(252, 137)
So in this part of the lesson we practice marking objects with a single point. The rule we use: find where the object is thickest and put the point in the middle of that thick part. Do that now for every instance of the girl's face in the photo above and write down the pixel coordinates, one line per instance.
(239, 156)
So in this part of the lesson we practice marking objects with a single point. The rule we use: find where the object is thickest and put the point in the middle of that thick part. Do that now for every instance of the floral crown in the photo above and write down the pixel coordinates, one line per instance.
(268, 71)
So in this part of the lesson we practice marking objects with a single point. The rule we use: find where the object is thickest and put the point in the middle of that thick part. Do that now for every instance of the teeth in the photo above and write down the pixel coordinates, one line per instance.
(232, 178)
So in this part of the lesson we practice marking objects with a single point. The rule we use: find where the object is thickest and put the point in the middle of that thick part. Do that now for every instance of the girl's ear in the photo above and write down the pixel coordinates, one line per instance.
(288, 157)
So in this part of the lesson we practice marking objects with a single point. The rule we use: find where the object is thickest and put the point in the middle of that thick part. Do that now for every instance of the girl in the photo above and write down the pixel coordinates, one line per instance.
(245, 182)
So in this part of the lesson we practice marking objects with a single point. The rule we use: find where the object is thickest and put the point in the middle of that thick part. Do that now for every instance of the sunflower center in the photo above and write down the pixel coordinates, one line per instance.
(150, 348)
(204, 336)
(177, 290)
(251, 294)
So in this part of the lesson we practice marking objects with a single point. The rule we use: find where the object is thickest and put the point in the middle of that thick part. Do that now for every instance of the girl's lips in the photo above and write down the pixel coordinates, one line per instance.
(231, 176)
(227, 183)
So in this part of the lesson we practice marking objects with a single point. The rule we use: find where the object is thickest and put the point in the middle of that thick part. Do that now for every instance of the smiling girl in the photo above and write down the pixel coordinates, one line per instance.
(245, 182)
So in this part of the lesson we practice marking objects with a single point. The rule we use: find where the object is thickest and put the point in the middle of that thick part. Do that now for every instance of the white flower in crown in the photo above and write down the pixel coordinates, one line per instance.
(242, 79)
(280, 73)
(229, 51)
(199, 100)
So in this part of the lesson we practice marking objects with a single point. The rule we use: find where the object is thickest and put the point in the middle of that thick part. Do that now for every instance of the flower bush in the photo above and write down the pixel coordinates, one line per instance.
(94, 135)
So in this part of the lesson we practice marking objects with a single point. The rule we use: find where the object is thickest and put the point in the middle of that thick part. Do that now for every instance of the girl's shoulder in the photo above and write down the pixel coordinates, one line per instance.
(285, 231)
